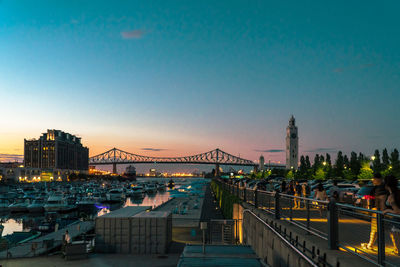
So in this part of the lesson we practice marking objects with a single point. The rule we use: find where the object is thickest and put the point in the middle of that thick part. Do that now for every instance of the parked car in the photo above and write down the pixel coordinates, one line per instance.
(364, 198)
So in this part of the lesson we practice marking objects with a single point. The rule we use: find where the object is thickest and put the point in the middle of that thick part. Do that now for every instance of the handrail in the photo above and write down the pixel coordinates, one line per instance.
(367, 210)
(304, 198)
(311, 262)
(286, 195)
(327, 202)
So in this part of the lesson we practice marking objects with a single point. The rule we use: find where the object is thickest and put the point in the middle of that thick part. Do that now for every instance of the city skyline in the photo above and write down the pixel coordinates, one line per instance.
(166, 79)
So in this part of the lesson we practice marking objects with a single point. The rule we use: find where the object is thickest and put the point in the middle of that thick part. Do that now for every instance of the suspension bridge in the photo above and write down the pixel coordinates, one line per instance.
(216, 157)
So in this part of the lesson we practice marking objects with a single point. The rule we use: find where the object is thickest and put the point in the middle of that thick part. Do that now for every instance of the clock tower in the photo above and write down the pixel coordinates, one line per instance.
(292, 145)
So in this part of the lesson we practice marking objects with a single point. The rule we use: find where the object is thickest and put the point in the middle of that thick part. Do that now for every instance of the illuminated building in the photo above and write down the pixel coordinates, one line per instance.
(56, 150)
(19, 174)
(153, 173)
(261, 163)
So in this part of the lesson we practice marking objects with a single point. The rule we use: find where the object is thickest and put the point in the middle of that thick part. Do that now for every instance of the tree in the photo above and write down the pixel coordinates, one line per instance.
(328, 159)
(303, 167)
(395, 163)
(317, 163)
(376, 162)
(355, 165)
(385, 159)
(346, 161)
(278, 172)
(348, 174)
(320, 174)
(366, 171)
(339, 164)
(290, 175)
(308, 163)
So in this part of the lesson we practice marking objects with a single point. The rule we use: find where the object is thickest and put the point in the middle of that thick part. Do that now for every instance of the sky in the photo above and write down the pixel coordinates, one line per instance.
(170, 78)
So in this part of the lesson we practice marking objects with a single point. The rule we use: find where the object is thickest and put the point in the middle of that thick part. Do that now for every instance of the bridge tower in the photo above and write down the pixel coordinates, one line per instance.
(217, 172)
(114, 168)
(115, 159)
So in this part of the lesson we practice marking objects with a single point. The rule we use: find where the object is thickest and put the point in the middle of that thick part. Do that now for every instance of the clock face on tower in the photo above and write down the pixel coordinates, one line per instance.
(293, 135)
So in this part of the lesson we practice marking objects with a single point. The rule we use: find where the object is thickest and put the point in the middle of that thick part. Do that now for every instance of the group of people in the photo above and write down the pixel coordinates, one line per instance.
(387, 200)
(303, 190)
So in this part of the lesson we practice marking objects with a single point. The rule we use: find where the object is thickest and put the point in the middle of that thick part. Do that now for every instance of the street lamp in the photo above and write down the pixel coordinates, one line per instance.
(324, 163)
(373, 158)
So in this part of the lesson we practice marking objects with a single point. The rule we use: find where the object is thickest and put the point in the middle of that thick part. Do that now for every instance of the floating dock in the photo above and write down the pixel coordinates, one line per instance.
(46, 243)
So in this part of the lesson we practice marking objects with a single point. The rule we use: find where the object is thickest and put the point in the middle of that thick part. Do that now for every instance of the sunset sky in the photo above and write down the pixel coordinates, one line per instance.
(168, 78)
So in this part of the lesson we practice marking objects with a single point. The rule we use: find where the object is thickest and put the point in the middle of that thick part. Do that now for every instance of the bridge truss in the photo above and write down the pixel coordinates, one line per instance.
(216, 156)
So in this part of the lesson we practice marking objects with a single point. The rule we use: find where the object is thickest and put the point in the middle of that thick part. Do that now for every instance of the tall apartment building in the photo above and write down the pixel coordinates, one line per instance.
(56, 150)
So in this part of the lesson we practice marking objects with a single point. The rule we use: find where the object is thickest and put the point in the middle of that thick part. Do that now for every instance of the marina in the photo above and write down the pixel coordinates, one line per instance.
(76, 206)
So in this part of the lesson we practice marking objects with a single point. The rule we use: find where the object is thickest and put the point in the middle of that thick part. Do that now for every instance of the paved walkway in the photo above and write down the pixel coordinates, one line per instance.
(210, 208)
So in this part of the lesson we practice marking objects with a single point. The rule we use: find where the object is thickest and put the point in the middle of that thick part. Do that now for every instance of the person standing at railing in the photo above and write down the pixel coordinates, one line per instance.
(378, 195)
(297, 193)
(290, 189)
(393, 206)
(283, 187)
(334, 191)
(320, 194)
(305, 192)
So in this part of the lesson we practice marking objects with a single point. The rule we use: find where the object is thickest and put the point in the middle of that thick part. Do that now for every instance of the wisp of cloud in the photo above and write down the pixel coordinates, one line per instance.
(153, 149)
(135, 34)
(270, 150)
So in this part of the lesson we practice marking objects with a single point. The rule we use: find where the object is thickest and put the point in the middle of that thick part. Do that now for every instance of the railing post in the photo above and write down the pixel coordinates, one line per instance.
(381, 239)
(244, 194)
(277, 206)
(308, 214)
(333, 223)
(256, 198)
(291, 208)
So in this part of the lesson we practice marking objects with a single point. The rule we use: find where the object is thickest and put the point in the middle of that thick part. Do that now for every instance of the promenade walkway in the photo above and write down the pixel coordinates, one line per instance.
(210, 208)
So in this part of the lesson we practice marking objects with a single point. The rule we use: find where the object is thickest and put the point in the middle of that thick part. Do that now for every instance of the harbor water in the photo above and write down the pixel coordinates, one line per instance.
(25, 222)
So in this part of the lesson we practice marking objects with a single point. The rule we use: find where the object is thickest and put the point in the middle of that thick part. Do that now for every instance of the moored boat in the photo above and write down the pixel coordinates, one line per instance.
(20, 205)
(115, 195)
(151, 188)
(59, 204)
(36, 206)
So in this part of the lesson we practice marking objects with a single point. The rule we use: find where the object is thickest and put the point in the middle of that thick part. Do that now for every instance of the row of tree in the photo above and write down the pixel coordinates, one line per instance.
(358, 166)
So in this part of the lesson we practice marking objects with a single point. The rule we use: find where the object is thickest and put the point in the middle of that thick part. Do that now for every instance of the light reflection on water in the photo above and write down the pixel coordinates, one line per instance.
(11, 226)
(152, 200)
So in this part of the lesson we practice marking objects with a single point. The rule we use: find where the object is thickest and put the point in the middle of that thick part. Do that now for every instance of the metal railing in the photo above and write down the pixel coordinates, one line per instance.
(367, 233)
(308, 214)
(217, 231)
(289, 243)
(376, 237)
